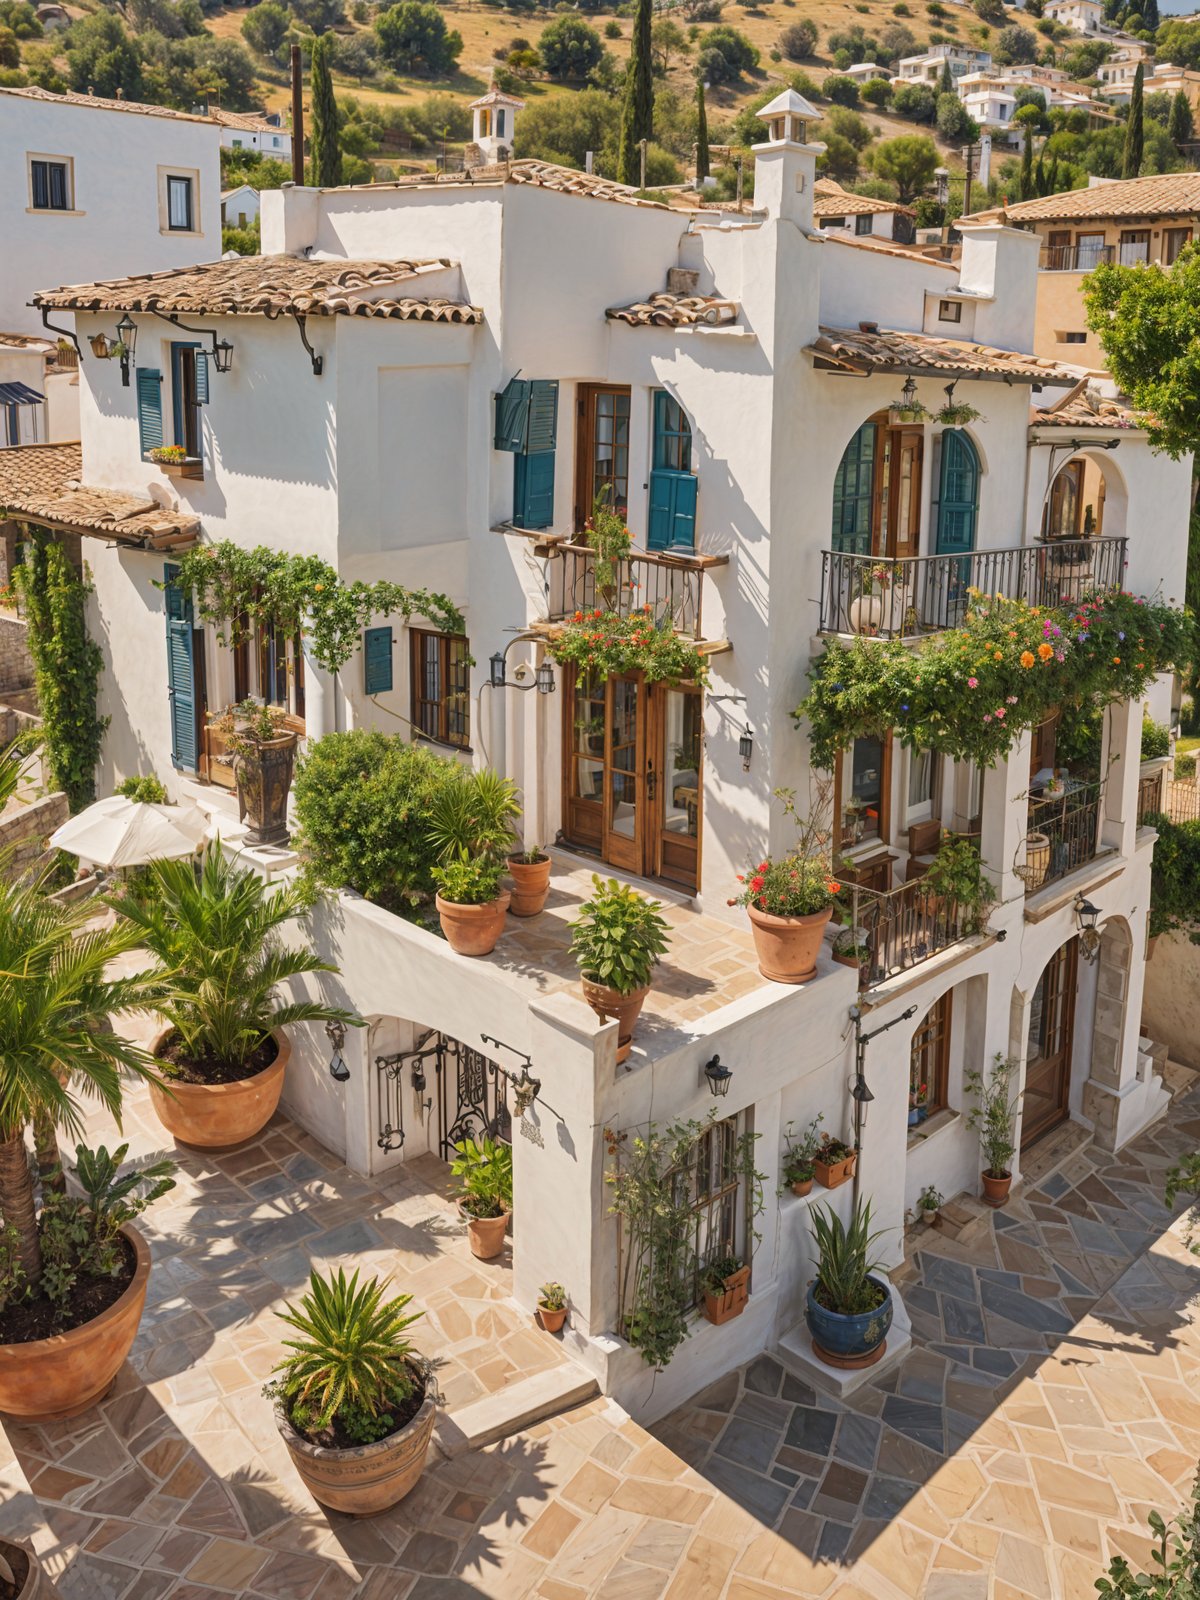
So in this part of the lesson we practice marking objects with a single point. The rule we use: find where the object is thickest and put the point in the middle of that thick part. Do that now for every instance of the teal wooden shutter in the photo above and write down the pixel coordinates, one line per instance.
(958, 498)
(541, 432)
(149, 404)
(853, 488)
(181, 674)
(672, 520)
(512, 415)
(533, 490)
(201, 378)
(377, 660)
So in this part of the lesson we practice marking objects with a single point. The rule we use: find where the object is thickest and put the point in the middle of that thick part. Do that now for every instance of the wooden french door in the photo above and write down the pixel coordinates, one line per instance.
(601, 448)
(877, 491)
(1051, 1036)
(632, 788)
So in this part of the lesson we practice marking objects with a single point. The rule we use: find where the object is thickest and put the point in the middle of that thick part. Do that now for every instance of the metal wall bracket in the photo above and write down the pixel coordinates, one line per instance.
(65, 333)
(318, 362)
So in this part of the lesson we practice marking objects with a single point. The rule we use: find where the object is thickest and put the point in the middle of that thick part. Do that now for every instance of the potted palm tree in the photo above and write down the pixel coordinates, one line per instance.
(848, 1309)
(994, 1117)
(471, 832)
(61, 1347)
(353, 1401)
(485, 1192)
(224, 1047)
(617, 940)
(262, 746)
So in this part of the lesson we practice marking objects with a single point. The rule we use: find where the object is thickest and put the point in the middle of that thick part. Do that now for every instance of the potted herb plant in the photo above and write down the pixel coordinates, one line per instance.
(799, 1158)
(929, 1203)
(484, 1171)
(552, 1306)
(956, 877)
(848, 1309)
(789, 900)
(262, 748)
(470, 904)
(605, 533)
(175, 461)
(726, 1285)
(834, 1162)
(994, 1117)
(22, 1576)
(617, 940)
(224, 1046)
(471, 832)
(353, 1401)
(530, 873)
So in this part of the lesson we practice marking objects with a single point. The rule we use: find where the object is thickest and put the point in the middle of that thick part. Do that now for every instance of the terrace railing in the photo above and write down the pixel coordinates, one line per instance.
(1075, 257)
(894, 599)
(673, 588)
(903, 927)
(1063, 833)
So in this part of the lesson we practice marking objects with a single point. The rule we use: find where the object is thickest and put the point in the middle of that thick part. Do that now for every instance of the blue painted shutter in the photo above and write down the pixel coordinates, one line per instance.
(672, 521)
(149, 404)
(958, 500)
(683, 519)
(201, 378)
(853, 487)
(662, 510)
(533, 490)
(181, 674)
(512, 415)
(541, 431)
(377, 660)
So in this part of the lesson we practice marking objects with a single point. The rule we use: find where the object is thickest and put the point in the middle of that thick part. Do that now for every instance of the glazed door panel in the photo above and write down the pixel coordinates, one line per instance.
(626, 779)
(674, 781)
(1051, 1036)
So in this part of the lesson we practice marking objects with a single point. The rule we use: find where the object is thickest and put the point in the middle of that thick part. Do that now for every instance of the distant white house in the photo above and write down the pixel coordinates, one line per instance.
(1085, 16)
(239, 207)
(837, 210)
(263, 132)
(927, 68)
(864, 71)
(39, 391)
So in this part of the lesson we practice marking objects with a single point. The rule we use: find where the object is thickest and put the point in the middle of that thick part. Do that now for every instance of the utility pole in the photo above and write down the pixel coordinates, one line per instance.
(642, 155)
(969, 158)
(739, 183)
(859, 1091)
(297, 117)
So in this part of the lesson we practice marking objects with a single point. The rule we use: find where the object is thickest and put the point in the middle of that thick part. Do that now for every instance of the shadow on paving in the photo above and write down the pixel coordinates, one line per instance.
(987, 1311)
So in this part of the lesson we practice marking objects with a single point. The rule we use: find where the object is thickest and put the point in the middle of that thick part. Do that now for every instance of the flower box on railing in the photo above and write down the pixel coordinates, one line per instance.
(176, 463)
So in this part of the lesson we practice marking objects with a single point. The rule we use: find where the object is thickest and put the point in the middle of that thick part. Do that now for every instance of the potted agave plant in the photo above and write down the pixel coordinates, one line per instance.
(994, 1117)
(552, 1306)
(789, 900)
(726, 1285)
(848, 1309)
(617, 940)
(471, 831)
(354, 1403)
(484, 1171)
(262, 747)
(799, 1159)
(530, 872)
(224, 1046)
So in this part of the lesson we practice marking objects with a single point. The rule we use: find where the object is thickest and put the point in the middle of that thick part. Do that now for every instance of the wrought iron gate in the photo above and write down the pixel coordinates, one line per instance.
(472, 1096)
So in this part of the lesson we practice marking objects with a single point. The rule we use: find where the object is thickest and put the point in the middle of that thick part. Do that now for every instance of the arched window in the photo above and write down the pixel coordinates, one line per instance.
(853, 491)
(958, 498)
(672, 521)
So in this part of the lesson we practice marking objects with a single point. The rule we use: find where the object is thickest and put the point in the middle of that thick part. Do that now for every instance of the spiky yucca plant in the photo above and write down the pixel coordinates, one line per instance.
(216, 936)
(844, 1260)
(349, 1369)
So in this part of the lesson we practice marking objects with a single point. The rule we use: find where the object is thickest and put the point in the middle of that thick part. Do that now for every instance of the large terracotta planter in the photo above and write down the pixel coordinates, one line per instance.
(473, 930)
(485, 1235)
(531, 885)
(214, 1116)
(626, 1008)
(996, 1190)
(264, 779)
(64, 1375)
(787, 947)
(368, 1478)
(1037, 860)
(27, 1572)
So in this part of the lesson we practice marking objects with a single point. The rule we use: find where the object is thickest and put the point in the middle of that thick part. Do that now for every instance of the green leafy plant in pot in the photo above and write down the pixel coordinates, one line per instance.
(353, 1401)
(552, 1306)
(956, 878)
(617, 941)
(929, 1203)
(484, 1171)
(799, 1158)
(848, 1309)
(994, 1118)
(726, 1285)
(216, 934)
(471, 832)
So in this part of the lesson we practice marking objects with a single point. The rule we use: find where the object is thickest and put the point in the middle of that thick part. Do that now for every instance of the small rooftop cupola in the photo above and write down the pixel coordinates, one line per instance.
(785, 167)
(493, 117)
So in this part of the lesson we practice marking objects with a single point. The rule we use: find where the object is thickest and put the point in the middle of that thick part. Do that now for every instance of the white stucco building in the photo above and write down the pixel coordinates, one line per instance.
(928, 67)
(239, 207)
(729, 380)
(1085, 16)
(262, 131)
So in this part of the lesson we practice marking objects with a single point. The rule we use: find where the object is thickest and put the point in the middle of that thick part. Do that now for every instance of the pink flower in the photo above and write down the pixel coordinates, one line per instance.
(987, 716)
(1001, 713)
(1012, 699)
(972, 683)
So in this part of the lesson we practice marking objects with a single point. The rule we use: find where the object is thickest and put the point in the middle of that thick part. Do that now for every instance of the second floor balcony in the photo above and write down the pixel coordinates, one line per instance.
(917, 595)
(671, 585)
(1084, 257)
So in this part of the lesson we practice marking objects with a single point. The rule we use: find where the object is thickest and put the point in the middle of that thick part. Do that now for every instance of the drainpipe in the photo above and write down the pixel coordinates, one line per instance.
(860, 1093)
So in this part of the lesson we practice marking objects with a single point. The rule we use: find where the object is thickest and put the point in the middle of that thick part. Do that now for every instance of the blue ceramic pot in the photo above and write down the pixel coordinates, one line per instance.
(849, 1339)
(913, 1116)
(922, 1113)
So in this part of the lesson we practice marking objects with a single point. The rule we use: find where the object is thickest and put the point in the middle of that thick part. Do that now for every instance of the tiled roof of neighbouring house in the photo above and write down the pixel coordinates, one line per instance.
(269, 285)
(1169, 194)
(1084, 407)
(246, 121)
(880, 350)
(41, 482)
(831, 200)
(536, 174)
(97, 103)
(676, 311)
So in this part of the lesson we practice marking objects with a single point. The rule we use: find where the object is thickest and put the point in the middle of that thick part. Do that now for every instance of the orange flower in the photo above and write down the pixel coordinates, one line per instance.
(1116, 661)
(1026, 658)
(1045, 651)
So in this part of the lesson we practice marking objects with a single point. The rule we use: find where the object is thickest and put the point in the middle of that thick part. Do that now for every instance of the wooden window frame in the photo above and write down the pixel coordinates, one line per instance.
(929, 1054)
(949, 311)
(67, 163)
(446, 734)
(267, 663)
(585, 435)
(1171, 233)
(840, 768)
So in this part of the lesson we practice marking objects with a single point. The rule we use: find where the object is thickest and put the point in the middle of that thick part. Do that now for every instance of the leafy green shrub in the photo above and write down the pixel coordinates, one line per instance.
(612, 29)
(1078, 738)
(146, 790)
(618, 936)
(1174, 875)
(842, 91)
(485, 1173)
(363, 801)
(1156, 739)
(798, 40)
(468, 880)
(569, 48)
(995, 1113)
(1185, 765)
(1176, 1557)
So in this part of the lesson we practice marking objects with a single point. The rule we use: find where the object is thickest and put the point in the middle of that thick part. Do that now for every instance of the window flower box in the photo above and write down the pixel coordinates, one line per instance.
(834, 1163)
(725, 1292)
(174, 460)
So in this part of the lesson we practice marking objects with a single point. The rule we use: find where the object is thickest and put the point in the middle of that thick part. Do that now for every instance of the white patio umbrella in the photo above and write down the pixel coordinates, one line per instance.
(128, 833)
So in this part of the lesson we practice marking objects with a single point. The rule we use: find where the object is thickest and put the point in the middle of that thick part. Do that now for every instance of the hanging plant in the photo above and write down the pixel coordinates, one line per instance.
(970, 692)
(236, 589)
(958, 416)
(600, 643)
(902, 411)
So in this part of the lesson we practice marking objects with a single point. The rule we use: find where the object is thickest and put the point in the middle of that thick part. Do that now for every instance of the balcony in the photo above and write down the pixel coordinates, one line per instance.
(1078, 257)
(1063, 832)
(671, 585)
(902, 928)
(899, 599)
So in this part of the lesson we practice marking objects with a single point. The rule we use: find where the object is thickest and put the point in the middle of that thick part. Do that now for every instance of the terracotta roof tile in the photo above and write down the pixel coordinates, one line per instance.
(831, 200)
(246, 121)
(41, 482)
(1171, 194)
(538, 175)
(98, 103)
(1085, 407)
(854, 350)
(676, 311)
(269, 285)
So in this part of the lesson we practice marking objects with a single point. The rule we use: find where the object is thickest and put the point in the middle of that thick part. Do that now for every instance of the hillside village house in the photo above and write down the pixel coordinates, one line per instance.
(728, 380)
(1134, 221)
(261, 131)
(90, 188)
(864, 216)
(1164, 78)
(1085, 16)
(928, 67)
(239, 207)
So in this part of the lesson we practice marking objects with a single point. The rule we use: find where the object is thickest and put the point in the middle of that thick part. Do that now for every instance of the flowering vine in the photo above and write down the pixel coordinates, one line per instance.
(600, 643)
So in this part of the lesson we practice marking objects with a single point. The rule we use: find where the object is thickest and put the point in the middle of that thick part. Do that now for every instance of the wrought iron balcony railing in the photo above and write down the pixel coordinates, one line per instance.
(672, 586)
(894, 599)
(1063, 833)
(901, 928)
(1077, 257)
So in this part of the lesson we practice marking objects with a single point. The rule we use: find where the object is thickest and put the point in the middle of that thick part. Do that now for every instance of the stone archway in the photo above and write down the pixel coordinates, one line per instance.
(1101, 1091)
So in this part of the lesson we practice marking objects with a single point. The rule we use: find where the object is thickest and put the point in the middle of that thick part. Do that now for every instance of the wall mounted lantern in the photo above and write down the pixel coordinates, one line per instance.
(127, 335)
(335, 1032)
(542, 679)
(1086, 915)
(718, 1076)
(746, 747)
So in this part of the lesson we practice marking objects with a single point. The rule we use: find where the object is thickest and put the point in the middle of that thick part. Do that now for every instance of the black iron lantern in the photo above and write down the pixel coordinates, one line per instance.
(222, 355)
(544, 678)
(336, 1034)
(498, 670)
(1087, 915)
(746, 747)
(861, 1090)
(718, 1076)
(127, 335)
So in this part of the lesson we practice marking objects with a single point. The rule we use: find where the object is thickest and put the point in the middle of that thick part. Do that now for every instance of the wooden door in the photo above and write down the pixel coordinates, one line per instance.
(1051, 1036)
(625, 785)
(904, 519)
(601, 448)
(674, 783)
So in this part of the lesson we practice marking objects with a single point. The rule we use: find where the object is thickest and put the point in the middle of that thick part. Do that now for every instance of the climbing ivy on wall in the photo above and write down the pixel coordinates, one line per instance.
(66, 667)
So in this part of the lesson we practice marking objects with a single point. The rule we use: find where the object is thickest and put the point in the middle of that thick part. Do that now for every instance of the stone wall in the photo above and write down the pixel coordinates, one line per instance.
(25, 830)
(16, 664)
(1171, 1003)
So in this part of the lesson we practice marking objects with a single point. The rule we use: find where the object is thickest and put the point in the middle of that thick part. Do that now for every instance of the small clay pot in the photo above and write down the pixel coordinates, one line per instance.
(626, 1008)
(531, 885)
(996, 1190)
(552, 1321)
(473, 930)
(731, 1302)
(802, 1186)
(485, 1235)
(216, 1116)
(929, 1218)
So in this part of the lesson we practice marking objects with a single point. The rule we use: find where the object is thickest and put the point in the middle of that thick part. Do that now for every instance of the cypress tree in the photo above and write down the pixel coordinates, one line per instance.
(1039, 178)
(326, 151)
(637, 114)
(1150, 14)
(1131, 164)
(1181, 125)
(1052, 175)
(702, 161)
(946, 86)
(1027, 164)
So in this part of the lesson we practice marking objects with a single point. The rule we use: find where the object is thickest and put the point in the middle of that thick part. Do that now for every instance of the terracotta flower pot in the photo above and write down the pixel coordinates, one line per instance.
(214, 1116)
(531, 885)
(996, 1190)
(831, 1174)
(928, 1217)
(802, 1186)
(64, 1375)
(264, 779)
(485, 1235)
(27, 1570)
(787, 947)
(473, 930)
(731, 1303)
(368, 1478)
(626, 1008)
(552, 1321)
